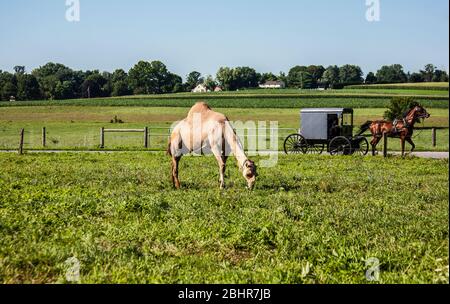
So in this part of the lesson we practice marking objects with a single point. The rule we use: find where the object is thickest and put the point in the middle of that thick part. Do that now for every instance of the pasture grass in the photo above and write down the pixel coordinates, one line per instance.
(310, 220)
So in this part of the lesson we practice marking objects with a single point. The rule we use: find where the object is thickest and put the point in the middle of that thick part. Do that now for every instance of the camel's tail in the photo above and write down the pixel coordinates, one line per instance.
(364, 128)
(169, 149)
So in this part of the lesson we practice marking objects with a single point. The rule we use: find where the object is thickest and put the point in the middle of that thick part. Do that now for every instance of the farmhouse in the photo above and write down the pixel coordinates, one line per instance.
(273, 85)
(201, 88)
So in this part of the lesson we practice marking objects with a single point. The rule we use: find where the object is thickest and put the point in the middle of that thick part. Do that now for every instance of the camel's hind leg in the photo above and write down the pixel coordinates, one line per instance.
(175, 150)
(175, 180)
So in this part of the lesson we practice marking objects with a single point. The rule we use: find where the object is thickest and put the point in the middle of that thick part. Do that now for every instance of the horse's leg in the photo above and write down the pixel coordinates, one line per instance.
(374, 142)
(175, 180)
(402, 139)
(409, 140)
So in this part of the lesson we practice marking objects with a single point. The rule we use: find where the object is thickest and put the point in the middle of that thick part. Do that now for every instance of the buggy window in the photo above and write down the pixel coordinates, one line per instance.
(346, 119)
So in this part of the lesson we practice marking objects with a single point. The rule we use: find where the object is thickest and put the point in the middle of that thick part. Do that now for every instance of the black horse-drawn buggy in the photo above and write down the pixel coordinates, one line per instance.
(326, 128)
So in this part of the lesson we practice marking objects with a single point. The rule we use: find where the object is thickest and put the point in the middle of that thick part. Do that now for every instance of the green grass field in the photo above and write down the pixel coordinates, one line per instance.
(71, 127)
(310, 220)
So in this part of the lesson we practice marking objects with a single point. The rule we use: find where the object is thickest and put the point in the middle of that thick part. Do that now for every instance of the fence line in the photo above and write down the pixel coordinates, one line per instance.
(150, 133)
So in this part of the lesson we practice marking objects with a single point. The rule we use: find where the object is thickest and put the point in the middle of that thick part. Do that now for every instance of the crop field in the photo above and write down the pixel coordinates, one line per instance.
(424, 86)
(261, 98)
(71, 127)
(310, 219)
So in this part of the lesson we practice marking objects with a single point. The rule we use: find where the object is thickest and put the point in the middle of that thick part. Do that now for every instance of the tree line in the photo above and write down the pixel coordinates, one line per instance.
(56, 81)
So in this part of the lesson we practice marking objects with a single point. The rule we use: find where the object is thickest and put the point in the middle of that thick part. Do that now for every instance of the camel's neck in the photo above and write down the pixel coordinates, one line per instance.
(236, 146)
(240, 154)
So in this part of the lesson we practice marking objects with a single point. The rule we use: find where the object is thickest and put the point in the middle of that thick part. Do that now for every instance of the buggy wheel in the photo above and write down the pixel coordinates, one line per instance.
(361, 146)
(316, 149)
(295, 144)
(340, 146)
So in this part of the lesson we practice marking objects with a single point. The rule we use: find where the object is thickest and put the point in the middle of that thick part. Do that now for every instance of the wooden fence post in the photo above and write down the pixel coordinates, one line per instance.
(433, 137)
(44, 137)
(385, 145)
(102, 138)
(21, 141)
(146, 137)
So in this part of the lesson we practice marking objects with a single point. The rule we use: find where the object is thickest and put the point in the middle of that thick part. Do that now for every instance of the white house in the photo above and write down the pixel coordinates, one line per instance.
(273, 85)
(201, 88)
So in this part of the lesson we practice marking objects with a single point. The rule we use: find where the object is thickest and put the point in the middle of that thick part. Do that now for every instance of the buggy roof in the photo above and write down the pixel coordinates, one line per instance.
(327, 110)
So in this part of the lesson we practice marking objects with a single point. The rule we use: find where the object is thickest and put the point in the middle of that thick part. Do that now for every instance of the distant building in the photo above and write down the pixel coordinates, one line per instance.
(273, 85)
(201, 88)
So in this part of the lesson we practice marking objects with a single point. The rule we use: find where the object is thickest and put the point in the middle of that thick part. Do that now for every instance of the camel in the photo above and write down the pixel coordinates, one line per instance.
(205, 129)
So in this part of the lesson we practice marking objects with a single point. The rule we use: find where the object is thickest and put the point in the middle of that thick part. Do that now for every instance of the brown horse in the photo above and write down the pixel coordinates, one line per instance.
(401, 128)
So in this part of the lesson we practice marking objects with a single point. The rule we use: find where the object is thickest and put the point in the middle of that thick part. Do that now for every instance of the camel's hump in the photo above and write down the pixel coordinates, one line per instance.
(200, 107)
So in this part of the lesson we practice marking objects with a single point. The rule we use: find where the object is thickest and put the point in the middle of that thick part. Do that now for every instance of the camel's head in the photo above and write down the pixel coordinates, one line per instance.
(249, 172)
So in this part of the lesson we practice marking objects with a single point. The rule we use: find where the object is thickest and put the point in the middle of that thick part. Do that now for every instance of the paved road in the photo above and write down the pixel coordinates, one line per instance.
(433, 155)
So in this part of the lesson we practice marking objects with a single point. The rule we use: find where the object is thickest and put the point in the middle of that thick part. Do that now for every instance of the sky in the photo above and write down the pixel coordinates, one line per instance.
(203, 35)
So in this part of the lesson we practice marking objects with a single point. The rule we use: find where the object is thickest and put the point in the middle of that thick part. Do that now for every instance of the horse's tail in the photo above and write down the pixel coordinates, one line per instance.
(364, 127)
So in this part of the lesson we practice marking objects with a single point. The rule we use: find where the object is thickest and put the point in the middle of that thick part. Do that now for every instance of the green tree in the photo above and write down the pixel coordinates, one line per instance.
(440, 76)
(120, 85)
(316, 72)
(267, 77)
(210, 83)
(428, 72)
(245, 77)
(398, 107)
(391, 74)
(121, 88)
(350, 74)
(9, 89)
(92, 87)
(152, 78)
(27, 87)
(416, 77)
(225, 78)
(295, 76)
(331, 76)
(371, 78)
(193, 79)
(7, 85)
(51, 77)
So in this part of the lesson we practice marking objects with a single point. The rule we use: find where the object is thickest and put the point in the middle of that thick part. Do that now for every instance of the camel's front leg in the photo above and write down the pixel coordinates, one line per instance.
(221, 161)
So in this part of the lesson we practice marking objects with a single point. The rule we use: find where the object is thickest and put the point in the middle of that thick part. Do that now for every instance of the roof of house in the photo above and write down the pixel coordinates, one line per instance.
(276, 82)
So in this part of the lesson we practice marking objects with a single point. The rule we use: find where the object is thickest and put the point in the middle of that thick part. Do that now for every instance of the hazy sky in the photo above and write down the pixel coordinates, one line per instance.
(203, 35)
